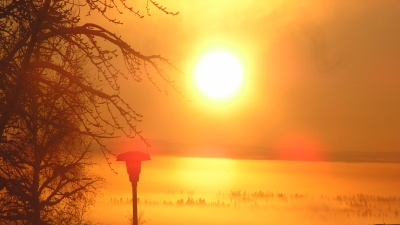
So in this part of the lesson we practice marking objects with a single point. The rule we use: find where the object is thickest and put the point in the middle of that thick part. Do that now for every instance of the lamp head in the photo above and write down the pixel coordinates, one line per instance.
(133, 162)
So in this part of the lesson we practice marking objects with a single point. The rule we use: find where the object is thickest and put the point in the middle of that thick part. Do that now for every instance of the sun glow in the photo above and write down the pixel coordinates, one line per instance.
(219, 75)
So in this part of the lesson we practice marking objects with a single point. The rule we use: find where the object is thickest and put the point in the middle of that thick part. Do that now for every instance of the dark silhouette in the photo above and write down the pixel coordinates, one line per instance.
(133, 162)
(59, 94)
(46, 43)
(44, 169)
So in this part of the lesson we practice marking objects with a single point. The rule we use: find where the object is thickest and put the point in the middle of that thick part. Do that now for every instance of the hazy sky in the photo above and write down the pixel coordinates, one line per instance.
(322, 78)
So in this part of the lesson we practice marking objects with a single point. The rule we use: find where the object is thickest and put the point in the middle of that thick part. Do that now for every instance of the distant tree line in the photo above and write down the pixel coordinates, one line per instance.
(359, 205)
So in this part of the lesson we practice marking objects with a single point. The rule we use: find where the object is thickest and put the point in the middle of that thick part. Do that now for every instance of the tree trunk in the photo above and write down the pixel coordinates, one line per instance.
(37, 161)
(35, 204)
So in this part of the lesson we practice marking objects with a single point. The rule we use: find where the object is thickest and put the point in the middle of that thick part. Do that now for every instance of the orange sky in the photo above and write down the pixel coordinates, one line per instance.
(321, 79)
(321, 83)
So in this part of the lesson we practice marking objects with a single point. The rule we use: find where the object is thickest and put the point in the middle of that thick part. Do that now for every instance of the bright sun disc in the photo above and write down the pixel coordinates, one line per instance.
(219, 75)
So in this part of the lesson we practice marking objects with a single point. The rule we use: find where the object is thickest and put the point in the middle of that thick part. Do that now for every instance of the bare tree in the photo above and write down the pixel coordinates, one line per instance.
(59, 92)
(46, 38)
(59, 190)
(45, 164)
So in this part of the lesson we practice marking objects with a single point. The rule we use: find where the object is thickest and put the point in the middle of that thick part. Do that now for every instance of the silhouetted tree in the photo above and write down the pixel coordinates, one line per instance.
(46, 38)
(45, 164)
(59, 92)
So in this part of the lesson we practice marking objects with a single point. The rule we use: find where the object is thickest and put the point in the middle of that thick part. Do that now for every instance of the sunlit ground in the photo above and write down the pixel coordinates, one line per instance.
(223, 191)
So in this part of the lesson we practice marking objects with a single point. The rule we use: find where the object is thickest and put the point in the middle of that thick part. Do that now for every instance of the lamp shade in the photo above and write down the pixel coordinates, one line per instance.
(133, 162)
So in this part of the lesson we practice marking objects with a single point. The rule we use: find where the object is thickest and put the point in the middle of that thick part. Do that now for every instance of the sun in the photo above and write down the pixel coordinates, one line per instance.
(219, 75)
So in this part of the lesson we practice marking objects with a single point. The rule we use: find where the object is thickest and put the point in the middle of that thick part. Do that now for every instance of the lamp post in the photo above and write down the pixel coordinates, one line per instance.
(133, 162)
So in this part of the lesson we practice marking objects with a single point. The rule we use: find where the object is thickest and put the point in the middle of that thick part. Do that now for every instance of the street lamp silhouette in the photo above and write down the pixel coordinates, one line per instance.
(133, 162)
